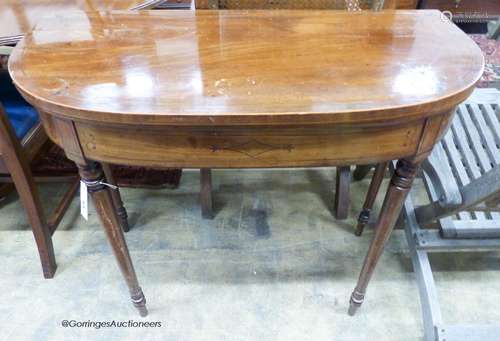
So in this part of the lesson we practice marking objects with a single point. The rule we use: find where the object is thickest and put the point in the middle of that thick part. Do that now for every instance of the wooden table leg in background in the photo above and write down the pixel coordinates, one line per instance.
(117, 199)
(206, 202)
(396, 194)
(364, 216)
(342, 192)
(93, 176)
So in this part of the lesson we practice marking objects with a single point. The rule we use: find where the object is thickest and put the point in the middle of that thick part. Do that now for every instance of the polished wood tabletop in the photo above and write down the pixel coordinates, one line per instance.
(18, 17)
(231, 67)
(230, 89)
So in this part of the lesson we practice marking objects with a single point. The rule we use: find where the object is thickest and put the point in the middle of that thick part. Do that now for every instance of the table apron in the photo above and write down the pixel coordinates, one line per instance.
(244, 147)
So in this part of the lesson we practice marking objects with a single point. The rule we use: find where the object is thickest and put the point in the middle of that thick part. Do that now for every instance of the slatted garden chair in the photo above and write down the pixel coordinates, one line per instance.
(494, 29)
(343, 174)
(22, 141)
(462, 179)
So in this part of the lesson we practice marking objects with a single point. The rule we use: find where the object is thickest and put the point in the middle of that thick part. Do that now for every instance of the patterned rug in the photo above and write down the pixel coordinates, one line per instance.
(54, 162)
(491, 51)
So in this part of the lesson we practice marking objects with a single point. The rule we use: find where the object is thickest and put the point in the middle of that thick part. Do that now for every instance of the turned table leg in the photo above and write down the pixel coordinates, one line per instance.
(364, 216)
(117, 199)
(396, 193)
(93, 176)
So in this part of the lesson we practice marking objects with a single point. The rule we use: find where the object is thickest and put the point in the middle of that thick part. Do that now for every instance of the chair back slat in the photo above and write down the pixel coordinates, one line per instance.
(465, 143)
(492, 117)
(455, 160)
(481, 141)
(476, 140)
(486, 134)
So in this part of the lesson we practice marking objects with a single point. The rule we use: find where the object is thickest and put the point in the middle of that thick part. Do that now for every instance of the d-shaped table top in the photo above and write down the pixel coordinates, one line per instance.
(246, 67)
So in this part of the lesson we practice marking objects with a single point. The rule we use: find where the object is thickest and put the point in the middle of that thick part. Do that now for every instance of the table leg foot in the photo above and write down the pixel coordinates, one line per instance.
(139, 301)
(355, 302)
(363, 219)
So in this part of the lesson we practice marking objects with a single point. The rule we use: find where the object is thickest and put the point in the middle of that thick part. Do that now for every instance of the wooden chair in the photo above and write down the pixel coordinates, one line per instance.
(22, 141)
(343, 174)
(462, 180)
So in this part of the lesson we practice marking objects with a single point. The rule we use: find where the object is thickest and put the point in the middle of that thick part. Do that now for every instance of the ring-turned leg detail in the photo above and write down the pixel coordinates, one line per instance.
(364, 216)
(139, 301)
(117, 198)
(93, 176)
(355, 302)
(396, 193)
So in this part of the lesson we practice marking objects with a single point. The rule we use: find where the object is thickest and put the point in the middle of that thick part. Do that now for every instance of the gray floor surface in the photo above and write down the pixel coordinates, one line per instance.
(273, 265)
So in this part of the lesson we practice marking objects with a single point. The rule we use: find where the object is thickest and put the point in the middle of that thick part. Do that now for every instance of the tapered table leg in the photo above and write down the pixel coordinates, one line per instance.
(364, 216)
(93, 176)
(117, 199)
(396, 193)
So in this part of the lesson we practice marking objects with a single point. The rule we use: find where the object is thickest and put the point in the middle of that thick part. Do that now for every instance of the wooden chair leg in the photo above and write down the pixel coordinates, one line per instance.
(206, 193)
(101, 194)
(31, 202)
(20, 171)
(361, 171)
(117, 199)
(364, 216)
(56, 217)
(342, 195)
(396, 193)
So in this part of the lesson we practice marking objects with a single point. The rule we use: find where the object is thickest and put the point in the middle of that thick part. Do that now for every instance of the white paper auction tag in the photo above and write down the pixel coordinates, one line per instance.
(84, 201)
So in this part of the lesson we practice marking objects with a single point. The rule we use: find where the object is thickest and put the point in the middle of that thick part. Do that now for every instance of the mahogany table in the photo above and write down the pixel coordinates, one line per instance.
(233, 89)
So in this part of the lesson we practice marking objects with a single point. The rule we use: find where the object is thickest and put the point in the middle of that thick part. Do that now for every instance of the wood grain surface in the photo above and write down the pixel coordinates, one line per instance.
(246, 67)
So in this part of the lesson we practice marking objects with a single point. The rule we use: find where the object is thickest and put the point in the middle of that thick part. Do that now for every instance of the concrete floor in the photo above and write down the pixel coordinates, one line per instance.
(273, 265)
